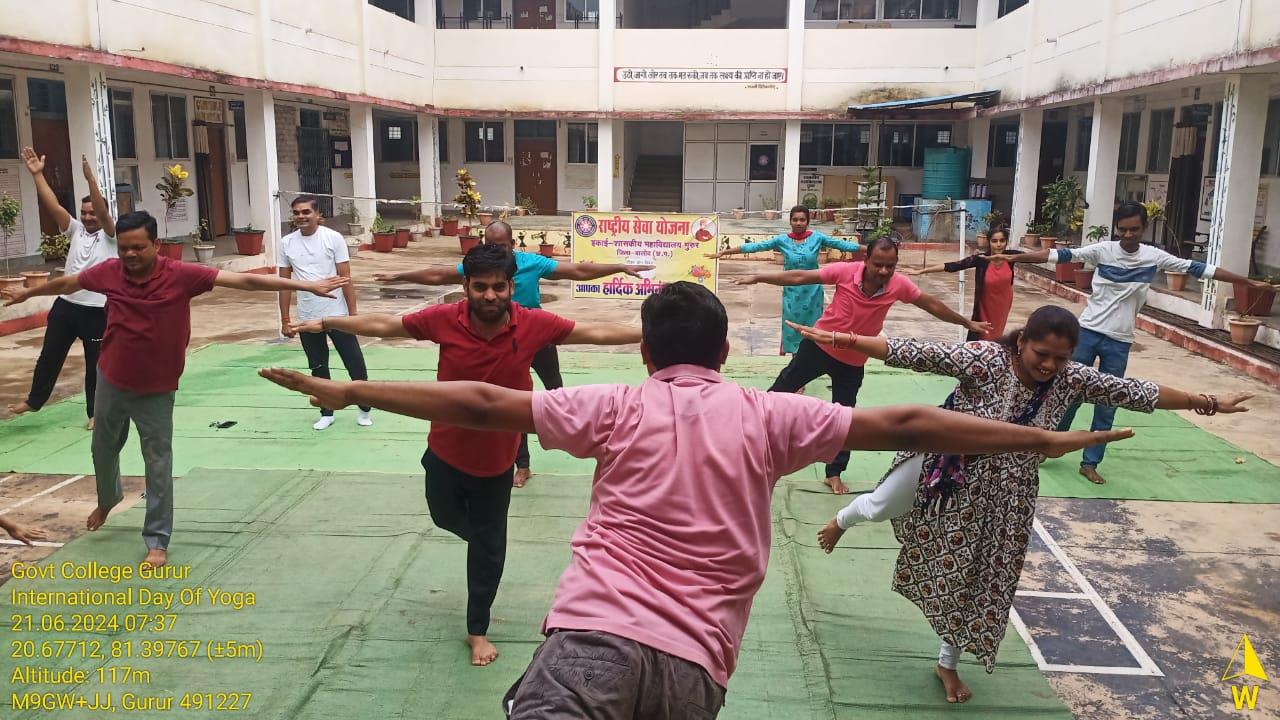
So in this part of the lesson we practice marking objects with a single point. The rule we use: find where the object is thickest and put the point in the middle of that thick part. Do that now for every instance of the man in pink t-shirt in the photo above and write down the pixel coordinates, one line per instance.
(864, 293)
(648, 618)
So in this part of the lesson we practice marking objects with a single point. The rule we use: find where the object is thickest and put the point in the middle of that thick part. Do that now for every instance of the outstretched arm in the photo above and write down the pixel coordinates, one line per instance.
(61, 286)
(1037, 257)
(924, 270)
(1175, 399)
(870, 345)
(433, 275)
(100, 209)
(382, 326)
(1228, 276)
(475, 405)
(591, 271)
(784, 278)
(939, 309)
(22, 533)
(253, 281)
(918, 428)
(44, 193)
(600, 333)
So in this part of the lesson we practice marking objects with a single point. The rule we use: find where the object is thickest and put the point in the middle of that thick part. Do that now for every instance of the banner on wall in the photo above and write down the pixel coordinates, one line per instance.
(676, 245)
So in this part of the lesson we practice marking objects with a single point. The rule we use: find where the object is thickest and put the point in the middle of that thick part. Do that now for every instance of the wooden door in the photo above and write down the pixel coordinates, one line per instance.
(534, 14)
(51, 138)
(219, 207)
(536, 163)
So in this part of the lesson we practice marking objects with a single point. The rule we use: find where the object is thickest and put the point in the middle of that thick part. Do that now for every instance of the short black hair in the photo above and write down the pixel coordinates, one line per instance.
(1045, 321)
(1130, 209)
(485, 259)
(684, 324)
(138, 219)
(86, 199)
(799, 209)
(315, 201)
(891, 241)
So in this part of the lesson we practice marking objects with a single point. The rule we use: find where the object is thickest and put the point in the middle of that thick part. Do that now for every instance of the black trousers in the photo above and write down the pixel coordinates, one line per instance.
(546, 362)
(808, 364)
(68, 322)
(348, 346)
(474, 509)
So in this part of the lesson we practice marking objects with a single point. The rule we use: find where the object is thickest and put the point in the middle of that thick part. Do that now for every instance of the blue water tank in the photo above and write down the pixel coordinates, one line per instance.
(946, 173)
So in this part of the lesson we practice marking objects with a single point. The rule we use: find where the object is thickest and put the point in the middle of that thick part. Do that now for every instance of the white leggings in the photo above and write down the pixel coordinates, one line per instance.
(893, 497)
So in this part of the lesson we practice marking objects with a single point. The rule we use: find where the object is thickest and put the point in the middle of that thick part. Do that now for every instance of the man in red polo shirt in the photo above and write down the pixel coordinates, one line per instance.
(485, 337)
(143, 354)
(864, 293)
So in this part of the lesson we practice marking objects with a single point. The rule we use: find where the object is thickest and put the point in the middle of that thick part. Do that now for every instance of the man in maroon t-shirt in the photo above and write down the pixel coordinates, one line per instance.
(469, 472)
(143, 354)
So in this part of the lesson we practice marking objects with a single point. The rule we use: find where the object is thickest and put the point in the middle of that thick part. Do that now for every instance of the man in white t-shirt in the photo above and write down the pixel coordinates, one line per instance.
(314, 252)
(82, 314)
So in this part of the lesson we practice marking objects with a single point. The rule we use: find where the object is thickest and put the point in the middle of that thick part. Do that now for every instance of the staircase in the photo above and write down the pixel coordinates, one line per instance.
(657, 184)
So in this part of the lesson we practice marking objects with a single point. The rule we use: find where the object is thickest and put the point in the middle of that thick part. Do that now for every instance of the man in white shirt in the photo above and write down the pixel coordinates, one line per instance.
(82, 314)
(1125, 269)
(314, 252)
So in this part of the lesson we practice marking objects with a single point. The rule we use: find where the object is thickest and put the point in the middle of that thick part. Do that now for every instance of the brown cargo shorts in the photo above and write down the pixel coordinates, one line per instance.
(589, 674)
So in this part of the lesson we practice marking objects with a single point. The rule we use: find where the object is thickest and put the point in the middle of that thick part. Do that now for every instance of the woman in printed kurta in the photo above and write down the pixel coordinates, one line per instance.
(964, 522)
(800, 249)
(992, 284)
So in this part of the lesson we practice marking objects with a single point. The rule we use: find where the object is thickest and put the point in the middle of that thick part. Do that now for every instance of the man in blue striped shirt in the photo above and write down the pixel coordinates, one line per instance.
(1125, 269)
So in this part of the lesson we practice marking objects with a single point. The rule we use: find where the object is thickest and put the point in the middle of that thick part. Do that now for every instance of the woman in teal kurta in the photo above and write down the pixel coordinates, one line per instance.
(800, 249)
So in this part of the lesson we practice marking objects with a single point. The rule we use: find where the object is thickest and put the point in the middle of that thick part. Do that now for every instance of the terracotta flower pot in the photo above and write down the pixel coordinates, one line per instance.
(772, 214)
(1047, 241)
(248, 242)
(484, 218)
(402, 237)
(1253, 301)
(173, 250)
(449, 227)
(1243, 330)
(34, 278)
(14, 283)
(983, 241)
(383, 242)
(521, 212)
(1177, 280)
(739, 213)
(1083, 278)
(1066, 272)
(547, 249)
(1031, 240)
(465, 243)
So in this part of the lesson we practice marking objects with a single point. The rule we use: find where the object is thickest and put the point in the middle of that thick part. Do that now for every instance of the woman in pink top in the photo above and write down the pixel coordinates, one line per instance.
(648, 618)
(864, 293)
(964, 521)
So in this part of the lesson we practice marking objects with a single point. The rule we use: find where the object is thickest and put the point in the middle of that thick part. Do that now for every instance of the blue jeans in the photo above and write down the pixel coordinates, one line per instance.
(1113, 358)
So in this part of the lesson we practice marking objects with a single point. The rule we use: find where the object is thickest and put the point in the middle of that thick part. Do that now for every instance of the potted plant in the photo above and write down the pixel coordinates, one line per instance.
(10, 211)
(1256, 301)
(1039, 233)
(248, 240)
(468, 197)
(402, 237)
(353, 225)
(1243, 329)
(173, 188)
(525, 206)
(200, 243)
(867, 213)
(590, 202)
(1063, 207)
(769, 204)
(545, 248)
(449, 226)
(1097, 233)
(384, 234)
(54, 246)
(828, 209)
(469, 237)
(739, 213)
(1177, 281)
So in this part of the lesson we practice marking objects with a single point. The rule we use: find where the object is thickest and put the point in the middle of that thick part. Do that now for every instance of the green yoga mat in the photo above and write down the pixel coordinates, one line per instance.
(1170, 459)
(359, 607)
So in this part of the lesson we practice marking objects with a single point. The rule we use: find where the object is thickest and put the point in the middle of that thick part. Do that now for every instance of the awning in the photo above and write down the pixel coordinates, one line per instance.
(985, 98)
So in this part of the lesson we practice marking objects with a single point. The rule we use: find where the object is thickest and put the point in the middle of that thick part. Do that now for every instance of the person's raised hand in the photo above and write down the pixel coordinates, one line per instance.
(13, 296)
(325, 287)
(327, 394)
(744, 280)
(1061, 443)
(636, 270)
(87, 169)
(35, 163)
(306, 326)
(1234, 403)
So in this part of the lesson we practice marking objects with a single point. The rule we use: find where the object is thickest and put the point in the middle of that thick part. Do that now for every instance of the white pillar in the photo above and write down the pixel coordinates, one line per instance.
(1104, 160)
(362, 170)
(605, 61)
(979, 140)
(791, 165)
(1026, 174)
(89, 128)
(428, 165)
(1244, 117)
(795, 55)
(264, 169)
(604, 166)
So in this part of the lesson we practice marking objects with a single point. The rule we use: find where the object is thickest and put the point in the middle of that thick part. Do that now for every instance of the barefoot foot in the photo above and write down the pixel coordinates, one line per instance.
(156, 557)
(483, 652)
(522, 476)
(20, 408)
(95, 519)
(957, 691)
(829, 535)
(837, 485)
(1092, 475)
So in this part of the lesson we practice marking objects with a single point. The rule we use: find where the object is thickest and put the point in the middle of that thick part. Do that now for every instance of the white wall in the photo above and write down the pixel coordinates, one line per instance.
(495, 181)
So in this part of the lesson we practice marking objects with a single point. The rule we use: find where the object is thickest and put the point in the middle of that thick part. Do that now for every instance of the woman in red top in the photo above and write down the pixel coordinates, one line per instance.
(993, 286)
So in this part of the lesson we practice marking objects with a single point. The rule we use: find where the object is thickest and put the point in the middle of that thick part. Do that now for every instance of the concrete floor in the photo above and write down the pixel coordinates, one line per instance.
(1185, 578)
